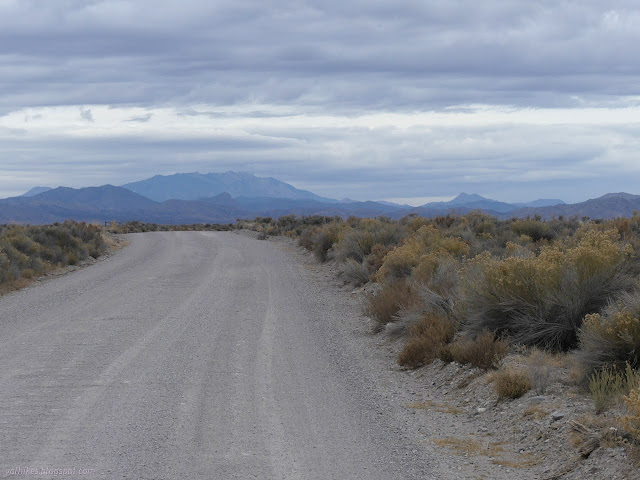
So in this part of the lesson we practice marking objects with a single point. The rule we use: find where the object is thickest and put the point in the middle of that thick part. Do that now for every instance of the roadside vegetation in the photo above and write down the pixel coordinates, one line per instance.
(472, 288)
(29, 251)
(135, 226)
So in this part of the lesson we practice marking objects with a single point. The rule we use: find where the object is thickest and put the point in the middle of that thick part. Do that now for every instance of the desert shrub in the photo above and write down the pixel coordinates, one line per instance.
(436, 325)
(613, 337)
(416, 352)
(631, 422)
(28, 273)
(305, 238)
(354, 273)
(484, 351)
(4, 266)
(426, 337)
(393, 297)
(414, 222)
(29, 251)
(608, 385)
(358, 242)
(511, 383)
(320, 239)
(376, 258)
(355, 245)
(542, 299)
(438, 273)
(426, 267)
(401, 261)
(534, 229)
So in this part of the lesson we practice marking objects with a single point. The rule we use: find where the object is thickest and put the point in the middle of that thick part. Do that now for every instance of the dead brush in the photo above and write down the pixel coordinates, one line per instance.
(426, 337)
(591, 433)
(512, 383)
(485, 351)
(384, 307)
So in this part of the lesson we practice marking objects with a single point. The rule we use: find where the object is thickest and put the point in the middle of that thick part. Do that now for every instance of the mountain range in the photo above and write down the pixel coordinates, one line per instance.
(225, 197)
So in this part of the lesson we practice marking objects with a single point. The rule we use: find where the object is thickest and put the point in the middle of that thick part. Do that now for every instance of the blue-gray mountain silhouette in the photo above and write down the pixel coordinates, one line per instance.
(194, 186)
(109, 202)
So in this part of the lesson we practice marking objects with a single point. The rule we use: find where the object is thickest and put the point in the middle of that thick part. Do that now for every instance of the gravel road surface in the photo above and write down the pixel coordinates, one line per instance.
(190, 355)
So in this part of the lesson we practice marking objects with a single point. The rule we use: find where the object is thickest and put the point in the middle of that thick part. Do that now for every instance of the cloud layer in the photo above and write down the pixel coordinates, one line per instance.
(366, 99)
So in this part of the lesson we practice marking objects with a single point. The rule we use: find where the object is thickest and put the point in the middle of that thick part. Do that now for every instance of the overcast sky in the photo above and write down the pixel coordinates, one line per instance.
(366, 99)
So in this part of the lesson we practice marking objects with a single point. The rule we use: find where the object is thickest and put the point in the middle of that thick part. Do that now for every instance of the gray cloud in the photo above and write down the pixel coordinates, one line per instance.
(140, 118)
(85, 114)
(350, 55)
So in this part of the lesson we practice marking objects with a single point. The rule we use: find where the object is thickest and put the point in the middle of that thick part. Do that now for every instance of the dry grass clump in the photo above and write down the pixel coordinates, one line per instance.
(484, 351)
(511, 383)
(468, 447)
(437, 407)
(461, 446)
(426, 337)
(608, 385)
(393, 297)
(535, 411)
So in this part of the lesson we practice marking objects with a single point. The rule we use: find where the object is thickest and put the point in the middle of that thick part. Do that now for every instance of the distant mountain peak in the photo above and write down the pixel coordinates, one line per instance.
(194, 186)
(467, 198)
(35, 191)
(623, 195)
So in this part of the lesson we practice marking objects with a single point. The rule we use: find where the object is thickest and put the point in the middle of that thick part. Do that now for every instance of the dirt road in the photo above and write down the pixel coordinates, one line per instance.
(189, 355)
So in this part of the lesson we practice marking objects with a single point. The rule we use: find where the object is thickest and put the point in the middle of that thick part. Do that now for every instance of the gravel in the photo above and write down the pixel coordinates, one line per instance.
(190, 355)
